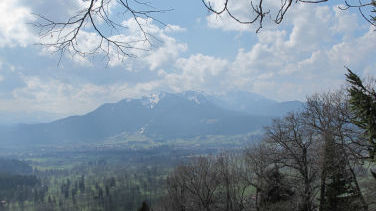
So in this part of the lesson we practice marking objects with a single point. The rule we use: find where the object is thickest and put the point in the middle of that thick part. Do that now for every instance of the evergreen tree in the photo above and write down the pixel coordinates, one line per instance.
(363, 104)
(340, 192)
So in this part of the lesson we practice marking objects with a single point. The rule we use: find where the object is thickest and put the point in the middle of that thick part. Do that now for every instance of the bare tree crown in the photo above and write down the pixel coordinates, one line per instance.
(97, 16)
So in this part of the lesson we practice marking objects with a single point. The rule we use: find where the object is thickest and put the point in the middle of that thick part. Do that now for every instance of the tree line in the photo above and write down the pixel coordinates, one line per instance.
(320, 158)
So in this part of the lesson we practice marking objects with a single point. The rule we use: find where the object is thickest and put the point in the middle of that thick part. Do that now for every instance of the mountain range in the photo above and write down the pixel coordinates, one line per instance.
(254, 104)
(162, 116)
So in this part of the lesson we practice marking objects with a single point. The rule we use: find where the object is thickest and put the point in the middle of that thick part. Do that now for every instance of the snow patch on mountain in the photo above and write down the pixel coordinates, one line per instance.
(195, 96)
(194, 99)
(152, 100)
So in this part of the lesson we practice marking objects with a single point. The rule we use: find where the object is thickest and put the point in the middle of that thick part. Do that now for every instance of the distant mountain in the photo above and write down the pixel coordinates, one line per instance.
(161, 116)
(11, 118)
(255, 104)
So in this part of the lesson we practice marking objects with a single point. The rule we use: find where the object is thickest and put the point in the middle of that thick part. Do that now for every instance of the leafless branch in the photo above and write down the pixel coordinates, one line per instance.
(258, 10)
(362, 8)
(64, 37)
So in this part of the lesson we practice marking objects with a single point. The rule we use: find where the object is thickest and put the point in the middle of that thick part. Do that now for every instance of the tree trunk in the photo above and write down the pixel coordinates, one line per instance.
(362, 200)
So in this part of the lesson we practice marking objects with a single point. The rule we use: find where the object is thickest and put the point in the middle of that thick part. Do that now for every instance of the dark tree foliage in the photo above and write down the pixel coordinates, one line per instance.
(20, 188)
(10, 181)
(340, 190)
(276, 189)
(15, 167)
(363, 104)
(144, 207)
(340, 194)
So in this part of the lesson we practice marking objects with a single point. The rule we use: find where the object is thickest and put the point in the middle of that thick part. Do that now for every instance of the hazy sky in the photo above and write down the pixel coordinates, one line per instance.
(196, 51)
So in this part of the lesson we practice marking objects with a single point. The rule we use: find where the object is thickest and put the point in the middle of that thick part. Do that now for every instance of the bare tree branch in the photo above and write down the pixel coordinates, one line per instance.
(259, 10)
(64, 37)
(115, 40)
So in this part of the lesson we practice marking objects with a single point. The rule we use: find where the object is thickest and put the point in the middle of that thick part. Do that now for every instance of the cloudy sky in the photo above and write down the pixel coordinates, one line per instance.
(195, 50)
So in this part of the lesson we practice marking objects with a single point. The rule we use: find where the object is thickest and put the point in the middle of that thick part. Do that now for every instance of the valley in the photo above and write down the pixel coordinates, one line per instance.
(135, 143)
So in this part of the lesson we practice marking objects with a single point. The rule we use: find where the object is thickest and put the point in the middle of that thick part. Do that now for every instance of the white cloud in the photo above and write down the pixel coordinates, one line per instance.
(55, 96)
(224, 21)
(198, 72)
(15, 16)
(169, 48)
(163, 48)
(309, 59)
(310, 33)
(242, 10)
(169, 51)
(174, 28)
(345, 22)
(14, 28)
(356, 51)
(303, 56)
(286, 64)
(151, 45)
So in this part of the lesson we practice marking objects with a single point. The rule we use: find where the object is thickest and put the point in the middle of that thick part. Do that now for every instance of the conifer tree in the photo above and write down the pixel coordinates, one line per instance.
(363, 104)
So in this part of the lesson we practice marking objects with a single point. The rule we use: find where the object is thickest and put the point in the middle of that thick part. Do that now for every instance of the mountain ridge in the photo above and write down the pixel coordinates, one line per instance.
(162, 116)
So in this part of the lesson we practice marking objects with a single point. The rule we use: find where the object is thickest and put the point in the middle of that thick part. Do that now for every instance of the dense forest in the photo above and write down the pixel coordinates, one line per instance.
(95, 186)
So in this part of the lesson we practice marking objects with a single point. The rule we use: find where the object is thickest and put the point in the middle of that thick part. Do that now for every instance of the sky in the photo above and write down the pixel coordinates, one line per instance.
(193, 50)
